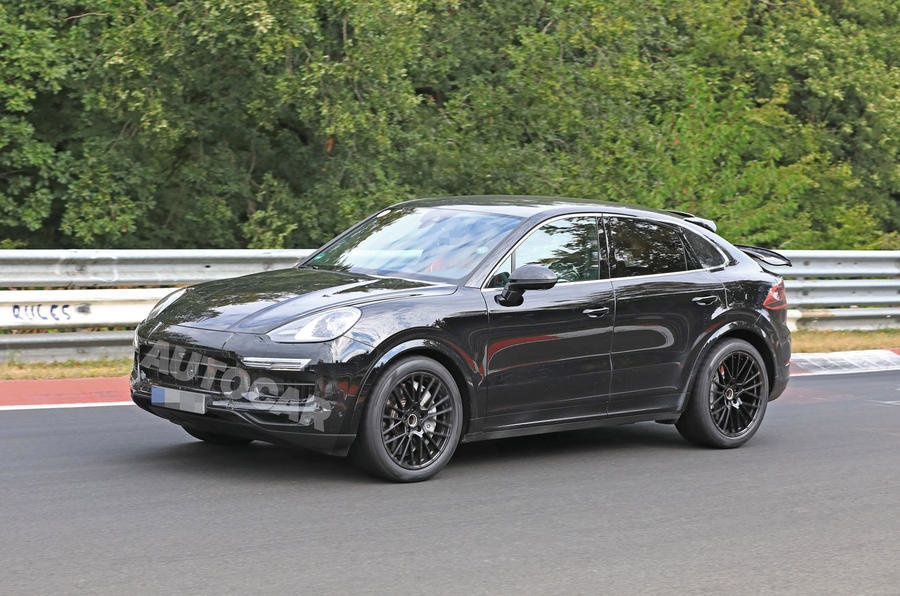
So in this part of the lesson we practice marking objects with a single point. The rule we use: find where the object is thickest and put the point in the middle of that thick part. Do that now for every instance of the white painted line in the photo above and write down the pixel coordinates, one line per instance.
(842, 372)
(93, 404)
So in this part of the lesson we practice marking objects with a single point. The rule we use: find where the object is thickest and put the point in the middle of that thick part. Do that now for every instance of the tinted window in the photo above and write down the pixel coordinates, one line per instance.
(431, 243)
(568, 247)
(706, 253)
(641, 247)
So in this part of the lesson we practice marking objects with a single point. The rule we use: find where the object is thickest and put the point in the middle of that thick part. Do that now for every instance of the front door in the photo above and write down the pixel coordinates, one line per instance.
(548, 358)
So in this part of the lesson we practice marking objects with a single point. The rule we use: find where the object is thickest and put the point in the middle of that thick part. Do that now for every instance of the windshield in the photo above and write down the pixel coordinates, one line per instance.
(418, 242)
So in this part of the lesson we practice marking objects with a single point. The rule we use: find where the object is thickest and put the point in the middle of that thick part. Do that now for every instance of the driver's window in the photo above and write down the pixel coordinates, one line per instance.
(568, 247)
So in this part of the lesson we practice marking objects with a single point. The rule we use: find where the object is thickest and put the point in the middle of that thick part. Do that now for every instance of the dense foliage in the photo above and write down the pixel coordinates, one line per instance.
(266, 123)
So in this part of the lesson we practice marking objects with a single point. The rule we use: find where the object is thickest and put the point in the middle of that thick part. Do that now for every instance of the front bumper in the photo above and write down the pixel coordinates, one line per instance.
(235, 423)
(311, 406)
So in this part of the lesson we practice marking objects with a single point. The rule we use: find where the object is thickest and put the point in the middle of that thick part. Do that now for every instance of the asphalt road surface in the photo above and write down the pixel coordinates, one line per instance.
(114, 500)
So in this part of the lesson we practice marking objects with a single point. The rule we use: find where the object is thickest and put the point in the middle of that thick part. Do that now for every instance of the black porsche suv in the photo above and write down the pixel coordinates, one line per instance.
(440, 321)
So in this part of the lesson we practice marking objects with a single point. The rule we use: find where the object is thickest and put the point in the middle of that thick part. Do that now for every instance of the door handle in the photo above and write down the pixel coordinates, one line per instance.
(596, 313)
(705, 300)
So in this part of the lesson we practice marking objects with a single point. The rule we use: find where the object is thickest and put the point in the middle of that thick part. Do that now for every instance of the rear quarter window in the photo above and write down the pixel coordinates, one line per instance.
(704, 250)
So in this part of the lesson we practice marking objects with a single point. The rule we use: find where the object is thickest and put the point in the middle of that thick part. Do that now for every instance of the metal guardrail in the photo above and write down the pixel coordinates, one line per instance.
(61, 309)
(850, 302)
(22, 309)
(843, 263)
(131, 268)
(842, 292)
(844, 319)
(77, 345)
(858, 302)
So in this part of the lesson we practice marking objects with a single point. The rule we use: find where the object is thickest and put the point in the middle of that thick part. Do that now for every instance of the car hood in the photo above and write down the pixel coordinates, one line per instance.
(260, 302)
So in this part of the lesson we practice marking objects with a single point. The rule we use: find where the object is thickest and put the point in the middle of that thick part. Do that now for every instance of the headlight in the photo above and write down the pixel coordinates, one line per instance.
(162, 304)
(321, 326)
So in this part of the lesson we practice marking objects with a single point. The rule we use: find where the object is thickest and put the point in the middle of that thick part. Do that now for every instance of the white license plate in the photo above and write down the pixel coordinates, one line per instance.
(186, 401)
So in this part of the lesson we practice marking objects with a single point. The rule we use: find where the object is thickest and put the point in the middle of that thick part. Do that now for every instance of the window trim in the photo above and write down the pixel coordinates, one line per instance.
(604, 217)
(508, 254)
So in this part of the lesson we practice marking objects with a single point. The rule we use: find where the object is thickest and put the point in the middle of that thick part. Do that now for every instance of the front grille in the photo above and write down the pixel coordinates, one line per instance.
(215, 372)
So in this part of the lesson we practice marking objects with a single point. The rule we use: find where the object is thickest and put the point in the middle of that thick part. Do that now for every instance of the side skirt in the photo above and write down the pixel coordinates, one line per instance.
(565, 425)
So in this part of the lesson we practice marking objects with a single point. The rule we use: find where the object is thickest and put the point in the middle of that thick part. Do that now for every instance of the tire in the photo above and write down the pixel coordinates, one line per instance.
(215, 438)
(729, 397)
(412, 422)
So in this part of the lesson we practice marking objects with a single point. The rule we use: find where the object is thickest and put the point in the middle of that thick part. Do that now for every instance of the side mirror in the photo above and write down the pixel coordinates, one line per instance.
(526, 277)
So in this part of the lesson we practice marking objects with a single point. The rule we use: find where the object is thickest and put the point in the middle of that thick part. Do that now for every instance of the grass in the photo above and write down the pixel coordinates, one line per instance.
(71, 369)
(803, 341)
(837, 341)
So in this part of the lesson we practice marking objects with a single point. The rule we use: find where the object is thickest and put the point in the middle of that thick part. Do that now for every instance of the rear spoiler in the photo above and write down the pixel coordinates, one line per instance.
(703, 223)
(765, 256)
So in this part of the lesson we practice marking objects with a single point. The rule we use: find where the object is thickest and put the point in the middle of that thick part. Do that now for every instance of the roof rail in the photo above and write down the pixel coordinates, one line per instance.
(703, 223)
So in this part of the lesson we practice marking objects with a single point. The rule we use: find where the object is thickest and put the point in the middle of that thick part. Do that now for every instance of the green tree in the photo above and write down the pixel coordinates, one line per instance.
(129, 123)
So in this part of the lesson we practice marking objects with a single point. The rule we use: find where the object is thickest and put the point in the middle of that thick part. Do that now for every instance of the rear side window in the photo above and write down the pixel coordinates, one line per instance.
(706, 253)
(641, 247)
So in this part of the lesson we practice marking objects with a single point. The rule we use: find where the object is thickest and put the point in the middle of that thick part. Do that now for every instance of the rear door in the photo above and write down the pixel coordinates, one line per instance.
(549, 357)
(665, 302)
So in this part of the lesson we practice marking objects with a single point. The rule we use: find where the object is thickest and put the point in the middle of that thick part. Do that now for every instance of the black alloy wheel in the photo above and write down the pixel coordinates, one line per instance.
(734, 393)
(416, 420)
(729, 397)
(413, 421)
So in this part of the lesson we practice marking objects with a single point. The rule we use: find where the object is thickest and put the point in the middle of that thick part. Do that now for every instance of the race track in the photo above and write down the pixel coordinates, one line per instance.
(113, 500)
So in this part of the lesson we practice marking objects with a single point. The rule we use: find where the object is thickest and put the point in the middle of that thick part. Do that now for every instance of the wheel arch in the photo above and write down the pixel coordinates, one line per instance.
(429, 348)
(757, 341)
(734, 330)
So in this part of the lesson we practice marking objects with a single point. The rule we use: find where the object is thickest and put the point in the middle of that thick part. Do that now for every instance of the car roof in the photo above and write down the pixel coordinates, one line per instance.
(527, 206)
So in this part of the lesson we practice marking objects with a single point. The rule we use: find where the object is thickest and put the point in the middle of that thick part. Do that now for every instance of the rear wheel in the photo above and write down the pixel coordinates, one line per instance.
(729, 398)
(215, 438)
(412, 423)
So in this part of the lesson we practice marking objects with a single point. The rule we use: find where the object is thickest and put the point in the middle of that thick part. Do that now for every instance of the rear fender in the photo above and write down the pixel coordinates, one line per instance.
(745, 325)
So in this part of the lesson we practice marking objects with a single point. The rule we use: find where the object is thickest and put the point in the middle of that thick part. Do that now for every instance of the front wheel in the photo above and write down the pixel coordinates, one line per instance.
(729, 397)
(412, 423)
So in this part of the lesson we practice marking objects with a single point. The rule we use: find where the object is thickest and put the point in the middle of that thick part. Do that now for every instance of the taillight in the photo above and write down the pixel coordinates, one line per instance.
(777, 298)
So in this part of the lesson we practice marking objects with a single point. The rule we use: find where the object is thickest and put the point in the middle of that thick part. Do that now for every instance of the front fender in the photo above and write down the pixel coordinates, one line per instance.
(462, 366)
